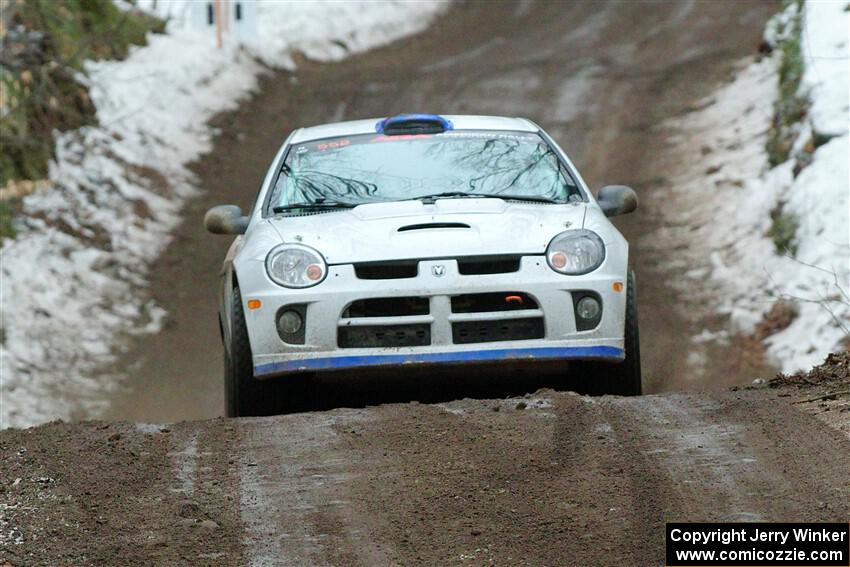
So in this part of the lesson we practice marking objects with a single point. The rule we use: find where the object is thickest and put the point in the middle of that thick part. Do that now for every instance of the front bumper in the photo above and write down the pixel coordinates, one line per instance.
(288, 366)
(327, 302)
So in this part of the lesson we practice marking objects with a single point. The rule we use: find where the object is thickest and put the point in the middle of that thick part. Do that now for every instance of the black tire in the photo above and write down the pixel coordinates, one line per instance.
(623, 378)
(243, 394)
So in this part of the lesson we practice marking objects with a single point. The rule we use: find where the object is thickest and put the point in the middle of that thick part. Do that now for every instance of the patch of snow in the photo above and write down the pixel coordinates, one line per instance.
(10, 532)
(779, 27)
(826, 51)
(185, 464)
(539, 403)
(149, 428)
(727, 232)
(69, 282)
(452, 409)
(707, 335)
(603, 429)
(697, 358)
(576, 93)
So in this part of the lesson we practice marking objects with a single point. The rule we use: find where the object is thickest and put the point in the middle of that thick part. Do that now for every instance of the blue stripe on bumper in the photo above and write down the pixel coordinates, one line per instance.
(467, 356)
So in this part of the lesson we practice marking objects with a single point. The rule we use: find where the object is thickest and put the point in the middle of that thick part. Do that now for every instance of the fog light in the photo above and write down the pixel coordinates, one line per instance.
(588, 308)
(289, 322)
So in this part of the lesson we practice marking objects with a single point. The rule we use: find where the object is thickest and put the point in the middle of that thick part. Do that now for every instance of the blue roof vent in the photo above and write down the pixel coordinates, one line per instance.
(413, 124)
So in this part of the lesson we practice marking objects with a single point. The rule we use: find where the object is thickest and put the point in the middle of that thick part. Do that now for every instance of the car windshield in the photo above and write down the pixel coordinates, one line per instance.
(353, 170)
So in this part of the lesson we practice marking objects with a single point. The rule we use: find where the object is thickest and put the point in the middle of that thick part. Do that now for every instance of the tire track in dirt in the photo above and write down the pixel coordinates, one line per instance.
(110, 494)
(293, 501)
(733, 457)
(564, 479)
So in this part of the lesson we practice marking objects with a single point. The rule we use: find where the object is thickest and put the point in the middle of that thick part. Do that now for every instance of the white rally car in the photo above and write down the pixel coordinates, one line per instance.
(425, 240)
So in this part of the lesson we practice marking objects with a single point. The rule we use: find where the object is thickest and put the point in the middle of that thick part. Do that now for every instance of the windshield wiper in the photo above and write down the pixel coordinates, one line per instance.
(313, 206)
(463, 194)
(528, 198)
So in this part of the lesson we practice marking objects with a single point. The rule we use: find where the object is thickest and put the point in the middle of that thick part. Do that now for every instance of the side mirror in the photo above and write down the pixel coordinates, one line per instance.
(225, 219)
(617, 200)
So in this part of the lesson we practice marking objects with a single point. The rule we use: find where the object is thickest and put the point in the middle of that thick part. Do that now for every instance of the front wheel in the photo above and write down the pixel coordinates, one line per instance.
(243, 394)
(623, 378)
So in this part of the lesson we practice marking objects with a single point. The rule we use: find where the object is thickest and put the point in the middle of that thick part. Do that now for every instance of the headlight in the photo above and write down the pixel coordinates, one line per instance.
(575, 252)
(295, 265)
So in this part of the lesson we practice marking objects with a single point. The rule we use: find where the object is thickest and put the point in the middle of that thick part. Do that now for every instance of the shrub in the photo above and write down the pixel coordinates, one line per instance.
(43, 49)
(7, 229)
(790, 107)
(783, 231)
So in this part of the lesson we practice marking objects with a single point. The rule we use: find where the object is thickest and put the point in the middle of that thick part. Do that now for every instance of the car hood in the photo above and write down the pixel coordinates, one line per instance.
(447, 228)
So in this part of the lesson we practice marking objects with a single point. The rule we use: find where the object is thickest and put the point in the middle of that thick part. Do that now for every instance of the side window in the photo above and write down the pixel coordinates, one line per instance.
(574, 192)
(256, 200)
(276, 192)
(277, 182)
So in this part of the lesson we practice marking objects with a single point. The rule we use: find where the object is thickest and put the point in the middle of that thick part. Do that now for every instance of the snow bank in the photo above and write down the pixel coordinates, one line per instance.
(725, 192)
(826, 49)
(68, 282)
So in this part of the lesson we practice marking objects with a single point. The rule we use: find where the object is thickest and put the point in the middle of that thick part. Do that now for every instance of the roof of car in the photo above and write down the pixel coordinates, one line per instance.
(460, 122)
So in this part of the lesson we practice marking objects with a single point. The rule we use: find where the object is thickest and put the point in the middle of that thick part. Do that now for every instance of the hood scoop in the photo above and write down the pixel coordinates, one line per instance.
(433, 225)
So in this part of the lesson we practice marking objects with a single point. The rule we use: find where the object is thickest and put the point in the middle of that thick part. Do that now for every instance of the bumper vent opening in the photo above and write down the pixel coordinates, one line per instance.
(387, 270)
(383, 336)
(387, 307)
(480, 265)
(489, 302)
(468, 332)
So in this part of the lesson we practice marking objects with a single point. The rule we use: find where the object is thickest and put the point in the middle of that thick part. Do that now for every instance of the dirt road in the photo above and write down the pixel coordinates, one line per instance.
(548, 479)
(599, 77)
(471, 477)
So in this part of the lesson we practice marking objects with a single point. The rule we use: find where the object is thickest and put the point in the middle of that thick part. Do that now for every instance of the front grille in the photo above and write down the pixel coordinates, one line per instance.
(387, 307)
(479, 265)
(387, 270)
(466, 332)
(383, 336)
(489, 302)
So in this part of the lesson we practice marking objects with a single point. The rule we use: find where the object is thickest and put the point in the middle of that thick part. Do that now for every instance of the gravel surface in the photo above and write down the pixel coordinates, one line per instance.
(823, 391)
(547, 479)
(119, 494)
